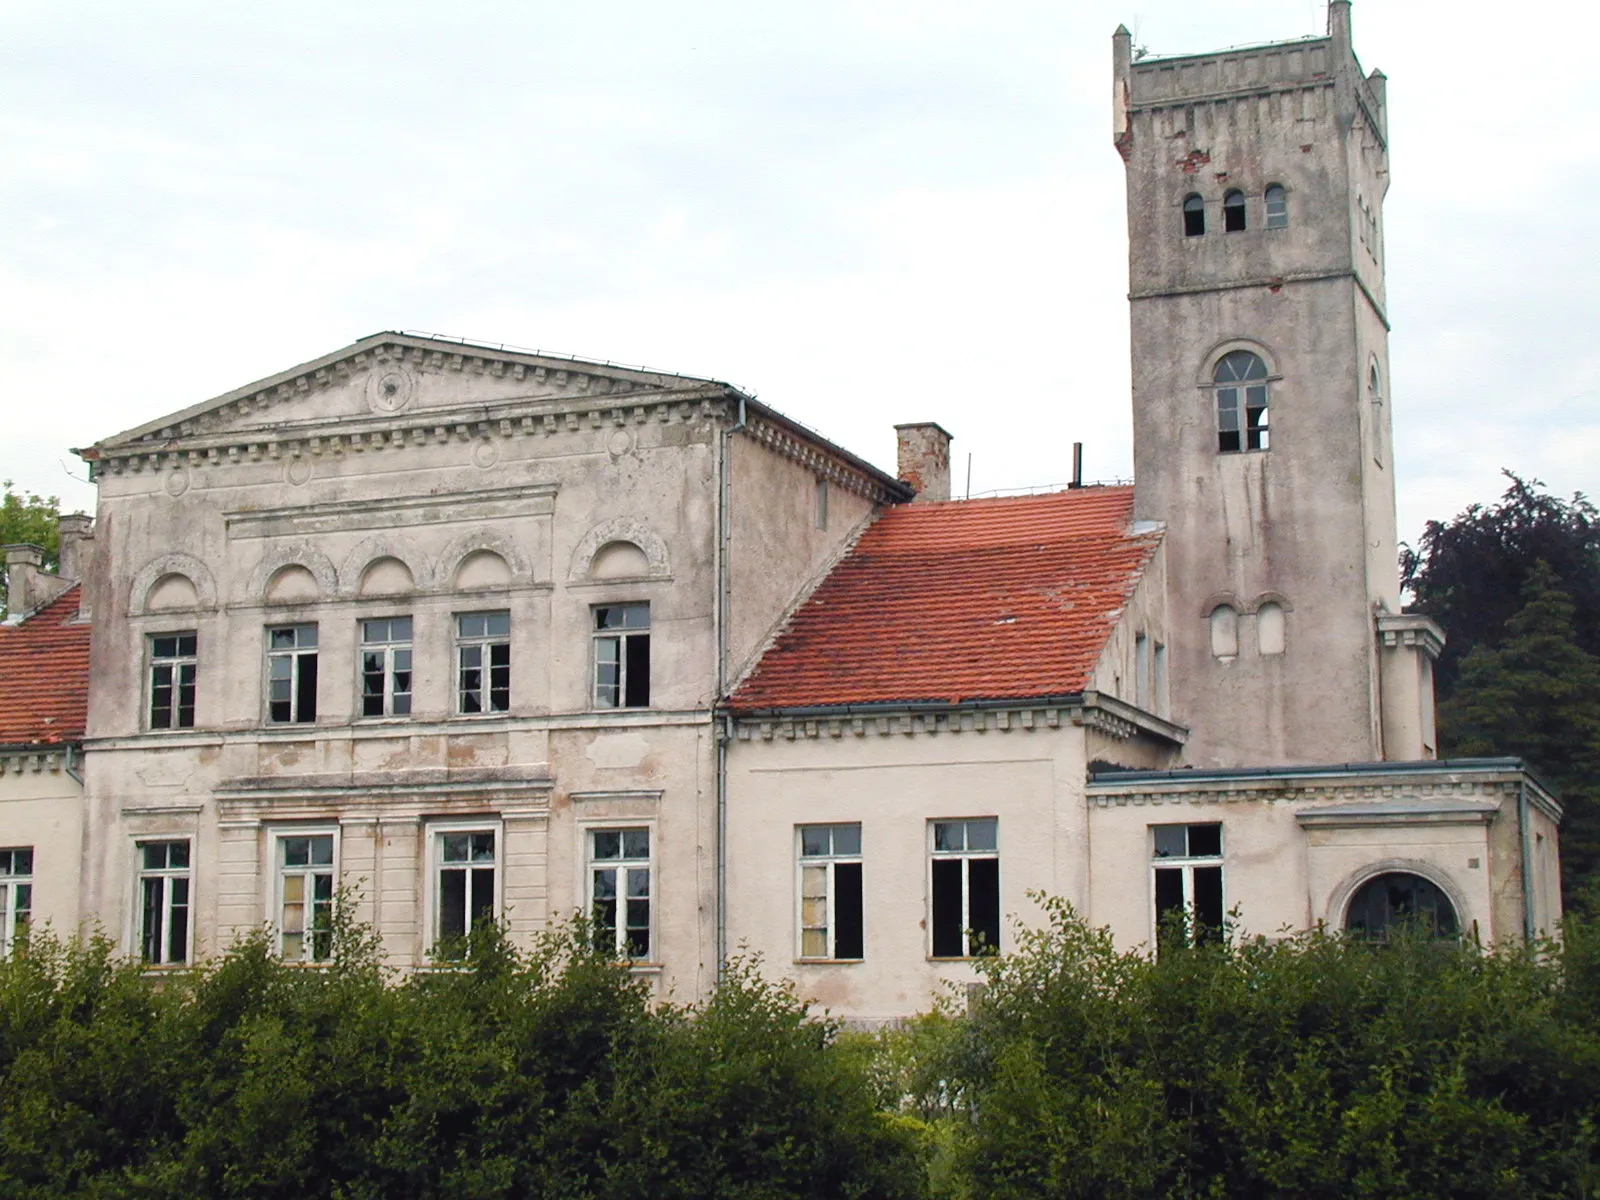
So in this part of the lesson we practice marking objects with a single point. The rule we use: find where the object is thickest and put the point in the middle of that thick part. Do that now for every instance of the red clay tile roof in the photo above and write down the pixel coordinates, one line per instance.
(964, 600)
(44, 675)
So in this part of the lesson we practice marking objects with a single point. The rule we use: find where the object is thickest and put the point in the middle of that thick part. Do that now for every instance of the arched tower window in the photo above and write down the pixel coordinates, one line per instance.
(1233, 212)
(1277, 198)
(1375, 409)
(1194, 216)
(1241, 379)
(1398, 897)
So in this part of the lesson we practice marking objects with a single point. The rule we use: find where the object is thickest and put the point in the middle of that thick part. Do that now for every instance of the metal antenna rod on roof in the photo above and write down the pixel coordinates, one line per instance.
(1077, 465)
(969, 475)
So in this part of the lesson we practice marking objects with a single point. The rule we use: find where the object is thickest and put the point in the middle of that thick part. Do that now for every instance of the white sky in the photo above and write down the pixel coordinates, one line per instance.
(865, 212)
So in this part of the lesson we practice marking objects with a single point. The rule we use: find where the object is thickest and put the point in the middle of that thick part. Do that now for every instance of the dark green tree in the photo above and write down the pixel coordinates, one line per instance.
(1537, 695)
(25, 517)
(1468, 573)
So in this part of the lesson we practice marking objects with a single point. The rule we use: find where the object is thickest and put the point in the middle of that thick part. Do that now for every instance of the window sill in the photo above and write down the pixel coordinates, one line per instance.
(828, 962)
(644, 968)
(961, 958)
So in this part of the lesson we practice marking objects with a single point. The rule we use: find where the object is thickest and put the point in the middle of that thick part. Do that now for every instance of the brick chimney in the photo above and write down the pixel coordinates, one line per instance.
(924, 459)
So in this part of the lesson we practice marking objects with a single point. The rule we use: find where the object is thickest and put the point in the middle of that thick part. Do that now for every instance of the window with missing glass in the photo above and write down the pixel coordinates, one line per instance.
(483, 663)
(305, 878)
(1186, 878)
(620, 878)
(831, 925)
(173, 667)
(622, 655)
(386, 667)
(1240, 382)
(292, 674)
(465, 862)
(1401, 899)
(964, 887)
(163, 882)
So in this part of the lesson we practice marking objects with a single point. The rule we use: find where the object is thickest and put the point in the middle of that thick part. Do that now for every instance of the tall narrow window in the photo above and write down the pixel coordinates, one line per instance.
(172, 675)
(830, 892)
(1241, 387)
(1187, 870)
(1141, 671)
(305, 896)
(619, 891)
(386, 667)
(483, 659)
(16, 897)
(164, 901)
(1375, 410)
(292, 674)
(1233, 212)
(1194, 216)
(965, 887)
(464, 882)
(622, 655)
(1277, 198)
(822, 504)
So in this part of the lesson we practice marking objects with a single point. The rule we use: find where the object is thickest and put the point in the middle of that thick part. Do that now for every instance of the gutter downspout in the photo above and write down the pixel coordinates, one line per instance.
(724, 728)
(1529, 927)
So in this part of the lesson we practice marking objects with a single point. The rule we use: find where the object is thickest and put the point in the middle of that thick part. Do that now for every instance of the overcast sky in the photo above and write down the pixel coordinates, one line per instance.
(863, 212)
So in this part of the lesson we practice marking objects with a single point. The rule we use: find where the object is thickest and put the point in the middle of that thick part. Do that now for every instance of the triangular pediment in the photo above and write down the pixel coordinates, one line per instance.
(390, 377)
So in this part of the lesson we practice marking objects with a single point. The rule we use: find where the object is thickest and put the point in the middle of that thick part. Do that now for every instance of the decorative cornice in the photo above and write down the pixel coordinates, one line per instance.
(31, 760)
(1411, 630)
(1107, 793)
(783, 441)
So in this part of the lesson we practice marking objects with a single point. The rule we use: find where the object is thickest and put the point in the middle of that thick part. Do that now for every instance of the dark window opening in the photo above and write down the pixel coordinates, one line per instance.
(1187, 884)
(292, 674)
(1194, 217)
(966, 888)
(622, 655)
(1241, 398)
(1233, 212)
(1399, 898)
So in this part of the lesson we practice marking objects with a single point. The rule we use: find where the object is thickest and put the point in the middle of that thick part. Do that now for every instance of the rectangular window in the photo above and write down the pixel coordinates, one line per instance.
(622, 655)
(16, 897)
(830, 892)
(619, 891)
(386, 667)
(483, 659)
(1187, 869)
(172, 675)
(164, 901)
(305, 896)
(464, 877)
(965, 887)
(292, 674)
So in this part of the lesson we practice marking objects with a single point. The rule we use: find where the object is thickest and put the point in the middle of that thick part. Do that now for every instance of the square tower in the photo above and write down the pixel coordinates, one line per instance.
(1255, 184)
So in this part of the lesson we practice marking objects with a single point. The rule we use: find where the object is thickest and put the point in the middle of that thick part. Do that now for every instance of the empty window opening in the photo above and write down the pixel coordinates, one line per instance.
(1194, 216)
(16, 897)
(465, 880)
(619, 891)
(164, 902)
(1187, 883)
(1375, 410)
(1397, 898)
(831, 924)
(173, 664)
(1241, 387)
(1271, 631)
(305, 897)
(965, 866)
(622, 655)
(386, 667)
(292, 674)
(1233, 212)
(483, 663)
(1277, 198)
(1225, 632)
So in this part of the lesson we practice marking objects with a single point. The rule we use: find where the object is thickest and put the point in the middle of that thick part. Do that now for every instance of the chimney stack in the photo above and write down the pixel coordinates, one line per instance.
(23, 568)
(76, 529)
(924, 459)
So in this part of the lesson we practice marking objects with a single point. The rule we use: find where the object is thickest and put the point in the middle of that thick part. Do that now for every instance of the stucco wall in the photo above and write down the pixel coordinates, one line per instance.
(41, 806)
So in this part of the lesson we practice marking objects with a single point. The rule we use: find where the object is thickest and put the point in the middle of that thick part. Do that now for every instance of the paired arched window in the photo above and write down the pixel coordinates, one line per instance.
(1277, 198)
(1400, 897)
(1233, 212)
(1241, 386)
(1194, 216)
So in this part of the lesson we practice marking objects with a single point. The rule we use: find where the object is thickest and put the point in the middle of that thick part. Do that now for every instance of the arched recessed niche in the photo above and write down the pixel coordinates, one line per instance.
(1225, 632)
(482, 569)
(1271, 628)
(173, 592)
(292, 584)
(619, 560)
(386, 576)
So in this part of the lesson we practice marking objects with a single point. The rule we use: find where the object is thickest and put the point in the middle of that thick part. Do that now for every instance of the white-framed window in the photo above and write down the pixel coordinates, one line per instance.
(1186, 882)
(483, 663)
(164, 889)
(1241, 397)
(1277, 198)
(465, 881)
(173, 666)
(292, 674)
(964, 887)
(305, 868)
(620, 891)
(622, 655)
(386, 667)
(16, 896)
(831, 916)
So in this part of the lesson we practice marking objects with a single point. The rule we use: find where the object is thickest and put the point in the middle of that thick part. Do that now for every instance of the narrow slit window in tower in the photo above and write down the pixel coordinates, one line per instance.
(1233, 212)
(1194, 217)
